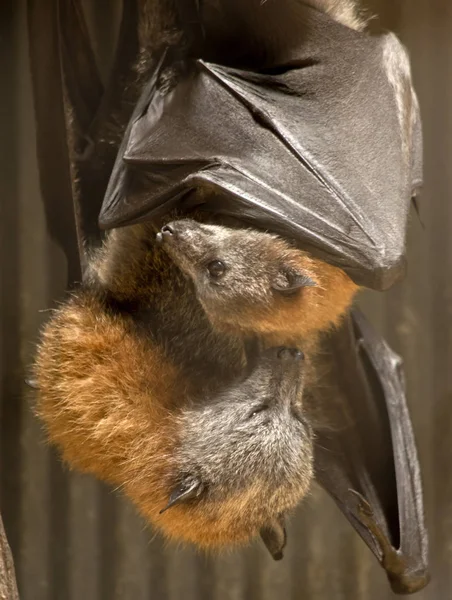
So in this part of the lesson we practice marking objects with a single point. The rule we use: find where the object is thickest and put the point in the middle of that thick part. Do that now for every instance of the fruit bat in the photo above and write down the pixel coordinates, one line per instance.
(320, 142)
(326, 150)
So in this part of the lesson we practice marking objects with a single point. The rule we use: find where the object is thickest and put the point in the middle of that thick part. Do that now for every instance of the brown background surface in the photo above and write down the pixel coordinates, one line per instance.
(75, 539)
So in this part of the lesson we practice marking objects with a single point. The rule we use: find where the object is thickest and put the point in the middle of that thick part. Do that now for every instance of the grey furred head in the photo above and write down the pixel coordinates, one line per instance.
(250, 448)
(235, 270)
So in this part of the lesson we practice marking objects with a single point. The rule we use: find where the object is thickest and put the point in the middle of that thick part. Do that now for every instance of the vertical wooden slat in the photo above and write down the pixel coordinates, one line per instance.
(8, 585)
(437, 96)
(11, 407)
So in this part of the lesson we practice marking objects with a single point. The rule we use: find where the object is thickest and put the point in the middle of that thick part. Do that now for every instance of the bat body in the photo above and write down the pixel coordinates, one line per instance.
(284, 116)
(137, 387)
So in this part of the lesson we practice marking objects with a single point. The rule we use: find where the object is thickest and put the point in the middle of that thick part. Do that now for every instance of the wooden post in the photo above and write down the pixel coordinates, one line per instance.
(8, 586)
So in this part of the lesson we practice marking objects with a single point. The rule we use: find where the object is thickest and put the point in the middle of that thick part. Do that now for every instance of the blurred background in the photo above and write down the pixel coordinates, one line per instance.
(72, 538)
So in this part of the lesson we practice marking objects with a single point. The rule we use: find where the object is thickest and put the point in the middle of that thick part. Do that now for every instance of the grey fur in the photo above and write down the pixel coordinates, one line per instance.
(253, 433)
(346, 12)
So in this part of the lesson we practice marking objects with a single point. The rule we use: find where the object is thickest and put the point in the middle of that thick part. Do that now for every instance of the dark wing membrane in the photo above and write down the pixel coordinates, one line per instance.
(320, 150)
(79, 122)
(366, 457)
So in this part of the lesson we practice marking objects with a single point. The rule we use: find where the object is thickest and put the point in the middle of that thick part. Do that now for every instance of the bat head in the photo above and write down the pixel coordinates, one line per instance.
(256, 282)
(243, 459)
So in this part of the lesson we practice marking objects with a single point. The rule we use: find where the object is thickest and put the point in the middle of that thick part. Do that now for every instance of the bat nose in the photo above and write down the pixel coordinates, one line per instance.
(165, 234)
(288, 354)
(284, 354)
(287, 367)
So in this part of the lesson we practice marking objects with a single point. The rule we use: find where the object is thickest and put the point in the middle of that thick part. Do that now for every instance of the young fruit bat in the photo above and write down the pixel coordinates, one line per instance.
(136, 386)
(256, 284)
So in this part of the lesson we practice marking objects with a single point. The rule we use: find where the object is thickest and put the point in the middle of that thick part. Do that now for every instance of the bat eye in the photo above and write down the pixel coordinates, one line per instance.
(258, 410)
(297, 413)
(216, 269)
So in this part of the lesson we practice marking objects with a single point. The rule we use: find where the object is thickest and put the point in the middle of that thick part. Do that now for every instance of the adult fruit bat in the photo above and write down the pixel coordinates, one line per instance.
(205, 433)
(279, 116)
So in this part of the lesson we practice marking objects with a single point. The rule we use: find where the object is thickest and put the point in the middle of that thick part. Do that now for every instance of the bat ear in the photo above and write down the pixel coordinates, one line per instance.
(186, 490)
(274, 537)
(289, 281)
(32, 383)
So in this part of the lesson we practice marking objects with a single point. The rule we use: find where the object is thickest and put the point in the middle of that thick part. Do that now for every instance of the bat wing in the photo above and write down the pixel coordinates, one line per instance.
(77, 138)
(366, 456)
(325, 150)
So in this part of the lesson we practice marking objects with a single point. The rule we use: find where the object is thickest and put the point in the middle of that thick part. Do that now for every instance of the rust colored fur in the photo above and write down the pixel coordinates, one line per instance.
(95, 379)
(316, 310)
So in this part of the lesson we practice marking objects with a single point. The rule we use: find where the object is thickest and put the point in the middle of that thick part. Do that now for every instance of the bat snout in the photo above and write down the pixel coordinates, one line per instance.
(286, 364)
(185, 232)
(284, 354)
(165, 235)
(290, 354)
(167, 230)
